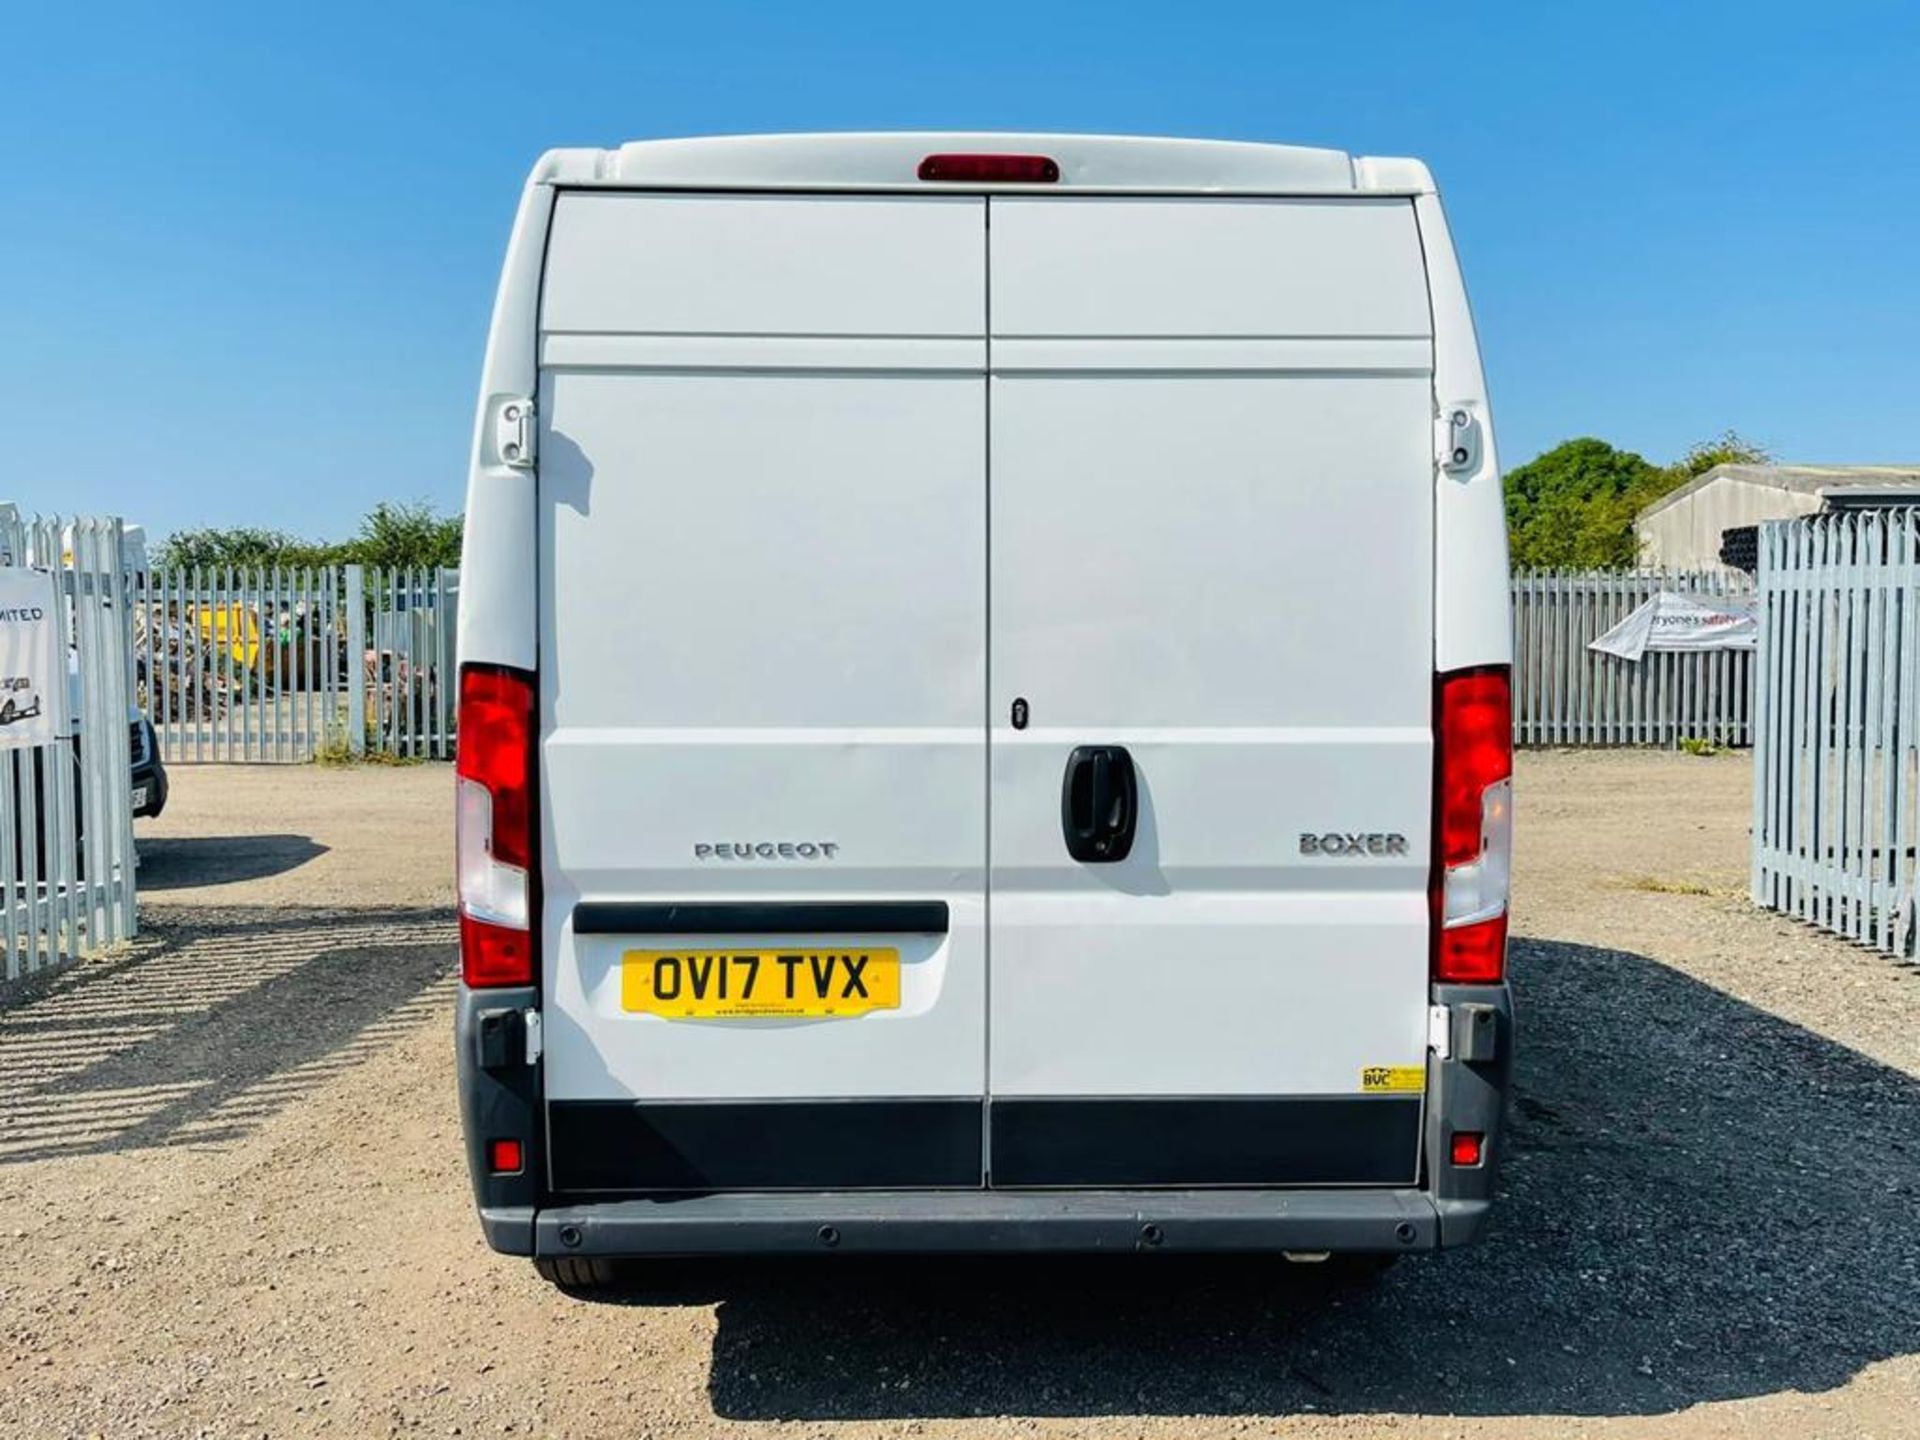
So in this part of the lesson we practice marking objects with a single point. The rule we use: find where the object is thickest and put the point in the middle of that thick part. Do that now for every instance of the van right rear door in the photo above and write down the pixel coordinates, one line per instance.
(1211, 549)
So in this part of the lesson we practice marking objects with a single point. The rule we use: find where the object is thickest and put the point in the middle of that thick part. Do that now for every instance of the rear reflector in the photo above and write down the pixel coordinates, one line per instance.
(493, 826)
(1473, 824)
(991, 169)
(1466, 1147)
(495, 955)
(1473, 954)
(504, 1157)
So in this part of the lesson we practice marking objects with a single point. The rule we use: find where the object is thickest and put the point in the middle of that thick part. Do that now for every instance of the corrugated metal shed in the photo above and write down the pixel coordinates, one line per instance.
(1682, 529)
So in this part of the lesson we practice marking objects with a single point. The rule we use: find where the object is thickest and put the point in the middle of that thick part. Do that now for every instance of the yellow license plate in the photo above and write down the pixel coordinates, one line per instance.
(724, 984)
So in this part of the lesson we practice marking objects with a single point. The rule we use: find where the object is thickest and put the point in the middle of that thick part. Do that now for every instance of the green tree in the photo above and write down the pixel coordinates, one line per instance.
(1729, 447)
(406, 535)
(1574, 505)
(240, 546)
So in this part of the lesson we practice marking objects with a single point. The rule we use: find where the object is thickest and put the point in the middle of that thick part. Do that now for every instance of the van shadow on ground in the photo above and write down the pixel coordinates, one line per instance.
(1704, 1203)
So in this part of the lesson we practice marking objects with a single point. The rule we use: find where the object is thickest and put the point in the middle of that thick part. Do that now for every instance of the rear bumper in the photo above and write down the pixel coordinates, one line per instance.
(989, 1221)
(1466, 1092)
(151, 777)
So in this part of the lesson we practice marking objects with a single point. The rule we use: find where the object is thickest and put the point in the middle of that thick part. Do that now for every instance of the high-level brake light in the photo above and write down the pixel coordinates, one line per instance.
(493, 826)
(1473, 825)
(991, 169)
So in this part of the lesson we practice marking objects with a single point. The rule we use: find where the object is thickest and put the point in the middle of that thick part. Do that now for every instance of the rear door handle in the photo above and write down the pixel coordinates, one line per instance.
(1099, 804)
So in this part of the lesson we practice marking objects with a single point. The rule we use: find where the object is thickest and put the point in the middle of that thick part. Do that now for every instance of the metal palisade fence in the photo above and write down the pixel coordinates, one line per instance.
(266, 665)
(66, 805)
(280, 665)
(1567, 694)
(1836, 813)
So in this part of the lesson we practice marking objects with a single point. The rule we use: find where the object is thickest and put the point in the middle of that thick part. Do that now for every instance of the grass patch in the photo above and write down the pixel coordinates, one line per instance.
(1699, 745)
(1660, 885)
(336, 753)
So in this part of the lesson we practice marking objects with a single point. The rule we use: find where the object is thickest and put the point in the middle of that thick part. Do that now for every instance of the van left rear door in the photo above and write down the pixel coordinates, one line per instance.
(762, 481)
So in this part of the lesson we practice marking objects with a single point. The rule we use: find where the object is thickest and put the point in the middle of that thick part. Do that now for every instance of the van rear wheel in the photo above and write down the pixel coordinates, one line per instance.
(583, 1275)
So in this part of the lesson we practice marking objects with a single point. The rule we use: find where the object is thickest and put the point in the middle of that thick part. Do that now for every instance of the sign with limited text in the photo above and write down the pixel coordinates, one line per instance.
(33, 672)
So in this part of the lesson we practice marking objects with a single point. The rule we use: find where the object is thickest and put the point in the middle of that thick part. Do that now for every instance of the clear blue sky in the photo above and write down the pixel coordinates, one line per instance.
(247, 255)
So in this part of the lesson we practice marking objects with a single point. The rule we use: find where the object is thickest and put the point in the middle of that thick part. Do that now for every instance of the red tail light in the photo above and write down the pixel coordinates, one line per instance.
(991, 169)
(1473, 825)
(493, 826)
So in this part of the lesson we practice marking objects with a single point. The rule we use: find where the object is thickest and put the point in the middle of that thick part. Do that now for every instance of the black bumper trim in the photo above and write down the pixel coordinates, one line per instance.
(618, 1147)
(985, 1221)
(796, 917)
(622, 1147)
(1253, 1141)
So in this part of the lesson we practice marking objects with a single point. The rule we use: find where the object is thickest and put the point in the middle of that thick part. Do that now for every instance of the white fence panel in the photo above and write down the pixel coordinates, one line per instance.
(268, 666)
(410, 663)
(67, 872)
(1837, 748)
(1566, 694)
(237, 665)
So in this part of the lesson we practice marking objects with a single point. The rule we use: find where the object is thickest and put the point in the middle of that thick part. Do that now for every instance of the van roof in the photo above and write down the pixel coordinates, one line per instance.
(890, 161)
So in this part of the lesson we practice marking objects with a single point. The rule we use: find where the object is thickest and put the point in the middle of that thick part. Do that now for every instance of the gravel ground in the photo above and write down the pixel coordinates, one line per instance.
(232, 1202)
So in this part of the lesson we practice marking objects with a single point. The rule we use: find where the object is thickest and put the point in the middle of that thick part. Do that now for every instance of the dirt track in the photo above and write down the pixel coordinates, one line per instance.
(232, 1202)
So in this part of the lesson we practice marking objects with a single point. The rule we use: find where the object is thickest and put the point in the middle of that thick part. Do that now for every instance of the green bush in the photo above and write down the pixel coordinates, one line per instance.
(391, 536)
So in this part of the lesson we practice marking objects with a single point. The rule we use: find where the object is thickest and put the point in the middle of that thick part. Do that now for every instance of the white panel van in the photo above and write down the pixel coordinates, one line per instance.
(983, 706)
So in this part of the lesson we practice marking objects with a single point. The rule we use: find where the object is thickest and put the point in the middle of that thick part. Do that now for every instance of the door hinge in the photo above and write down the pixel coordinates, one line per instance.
(1456, 438)
(534, 1046)
(1440, 1032)
(514, 431)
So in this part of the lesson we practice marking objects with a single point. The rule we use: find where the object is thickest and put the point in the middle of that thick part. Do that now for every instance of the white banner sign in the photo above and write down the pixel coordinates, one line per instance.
(33, 672)
(1683, 622)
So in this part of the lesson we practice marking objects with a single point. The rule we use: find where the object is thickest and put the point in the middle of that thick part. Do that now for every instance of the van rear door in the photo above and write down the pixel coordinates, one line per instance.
(1211, 548)
(762, 690)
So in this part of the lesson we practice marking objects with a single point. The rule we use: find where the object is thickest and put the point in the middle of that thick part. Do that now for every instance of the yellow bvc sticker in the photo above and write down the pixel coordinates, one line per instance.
(1392, 1079)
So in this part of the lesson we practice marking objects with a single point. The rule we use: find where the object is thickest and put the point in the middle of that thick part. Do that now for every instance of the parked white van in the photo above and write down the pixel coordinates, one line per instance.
(983, 706)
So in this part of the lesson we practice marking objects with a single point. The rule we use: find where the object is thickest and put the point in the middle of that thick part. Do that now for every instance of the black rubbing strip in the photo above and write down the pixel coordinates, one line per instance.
(1262, 1140)
(619, 1146)
(800, 917)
